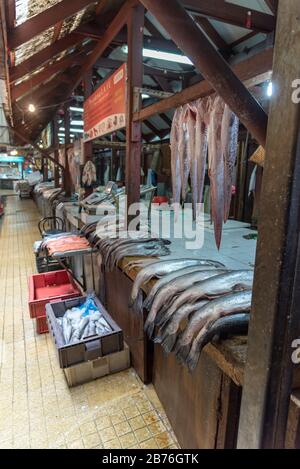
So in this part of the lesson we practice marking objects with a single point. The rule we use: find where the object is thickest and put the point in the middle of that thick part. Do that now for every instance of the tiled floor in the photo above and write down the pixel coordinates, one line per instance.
(37, 409)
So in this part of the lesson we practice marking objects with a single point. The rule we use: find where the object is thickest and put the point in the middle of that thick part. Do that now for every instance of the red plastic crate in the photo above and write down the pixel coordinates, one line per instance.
(42, 325)
(47, 287)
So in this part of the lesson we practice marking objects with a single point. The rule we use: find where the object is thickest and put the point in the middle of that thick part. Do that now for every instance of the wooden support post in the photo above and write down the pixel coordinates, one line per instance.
(274, 321)
(88, 146)
(135, 28)
(114, 156)
(67, 180)
(194, 43)
(55, 141)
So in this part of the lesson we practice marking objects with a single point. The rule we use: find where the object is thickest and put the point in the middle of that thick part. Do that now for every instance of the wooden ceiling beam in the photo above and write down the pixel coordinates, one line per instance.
(242, 39)
(273, 5)
(113, 64)
(245, 70)
(212, 33)
(193, 42)
(57, 31)
(152, 127)
(26, 86)
(232, 14)
(43, 56)
(44, 20)
(10, 12)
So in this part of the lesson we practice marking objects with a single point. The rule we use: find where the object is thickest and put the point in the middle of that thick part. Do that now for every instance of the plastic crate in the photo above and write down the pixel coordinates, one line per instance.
(50, 286)
(89, 371)
(88, 349)
(42, 325)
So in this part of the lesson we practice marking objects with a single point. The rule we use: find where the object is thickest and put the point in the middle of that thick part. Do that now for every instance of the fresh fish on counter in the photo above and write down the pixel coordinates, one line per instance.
(234, 324)
(238, 280)
(169, 330)
(154, 249)
(189, 344)
(183, 270)
(160, 268)
(166, 295)
(120, 243)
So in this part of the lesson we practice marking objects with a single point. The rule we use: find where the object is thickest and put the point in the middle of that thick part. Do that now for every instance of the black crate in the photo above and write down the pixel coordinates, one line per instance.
(88, 349)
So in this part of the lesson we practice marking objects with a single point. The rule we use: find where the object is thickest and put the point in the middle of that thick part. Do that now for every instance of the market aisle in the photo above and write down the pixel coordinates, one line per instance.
(37, 409)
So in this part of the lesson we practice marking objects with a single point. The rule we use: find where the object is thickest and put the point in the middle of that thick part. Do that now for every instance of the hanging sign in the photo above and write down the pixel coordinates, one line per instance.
(104, 110)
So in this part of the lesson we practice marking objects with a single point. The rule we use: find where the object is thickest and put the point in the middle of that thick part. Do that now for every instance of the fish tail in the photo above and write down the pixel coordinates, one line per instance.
(168, 343)
(182, 352)
(192, 359)
(137, 304)
(149, 329)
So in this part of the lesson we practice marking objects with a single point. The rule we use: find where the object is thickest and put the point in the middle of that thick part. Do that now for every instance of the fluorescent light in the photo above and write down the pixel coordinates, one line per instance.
(77, 131)
(160, 55)
(74, 122)
(145, 96)
(270, 89)
(76, 109)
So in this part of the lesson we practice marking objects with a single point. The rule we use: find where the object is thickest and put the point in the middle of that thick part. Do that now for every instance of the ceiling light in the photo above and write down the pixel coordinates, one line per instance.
(77, 131)
(74, 122)
(13, 153)
(31, 108)
(145, 96)
(270, 89)
(160, 55)
(76, 109)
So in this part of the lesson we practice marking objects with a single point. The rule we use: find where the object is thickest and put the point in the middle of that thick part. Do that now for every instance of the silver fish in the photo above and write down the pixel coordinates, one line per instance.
(183, 270)
(234, 324)
(159, 269)
(139, 250)
(188, 346)
(67, 330)
(169, 330)
(171, 291)
(238, 280)
(175, 157)
(81, 327)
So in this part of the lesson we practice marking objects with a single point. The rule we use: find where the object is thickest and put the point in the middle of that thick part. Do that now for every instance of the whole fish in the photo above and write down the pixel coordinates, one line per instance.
(67, 330)
(200, 154)
(174, 273)
(189, 349)
(234, 324)
(117, 246)
(216, 166)
(190, 125)
(229, 145)
(175, 158)
(125, 241)
(169, 330)
(184, 168)
(139, 264)
(159, 269)
(238, 280)
(171, 291)
(83, 323)
(139, 250)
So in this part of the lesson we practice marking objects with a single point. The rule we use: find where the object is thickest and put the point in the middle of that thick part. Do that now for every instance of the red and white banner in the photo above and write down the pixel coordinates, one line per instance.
(104, 110)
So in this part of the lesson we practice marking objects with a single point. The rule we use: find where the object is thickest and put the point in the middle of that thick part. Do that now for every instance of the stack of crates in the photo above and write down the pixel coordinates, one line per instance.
(46, 288)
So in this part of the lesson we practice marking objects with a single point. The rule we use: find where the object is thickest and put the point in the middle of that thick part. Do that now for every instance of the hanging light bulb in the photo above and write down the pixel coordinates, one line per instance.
(31, 108)
(13, 153)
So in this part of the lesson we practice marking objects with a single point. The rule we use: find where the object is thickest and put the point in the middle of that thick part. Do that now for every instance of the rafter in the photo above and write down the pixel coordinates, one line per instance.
(43, 56)
(152, 127)
(273, 5)
(212, 33)
(242, 39)
(41, 22)
(245, 70)
(232, 14)
(35, 80)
